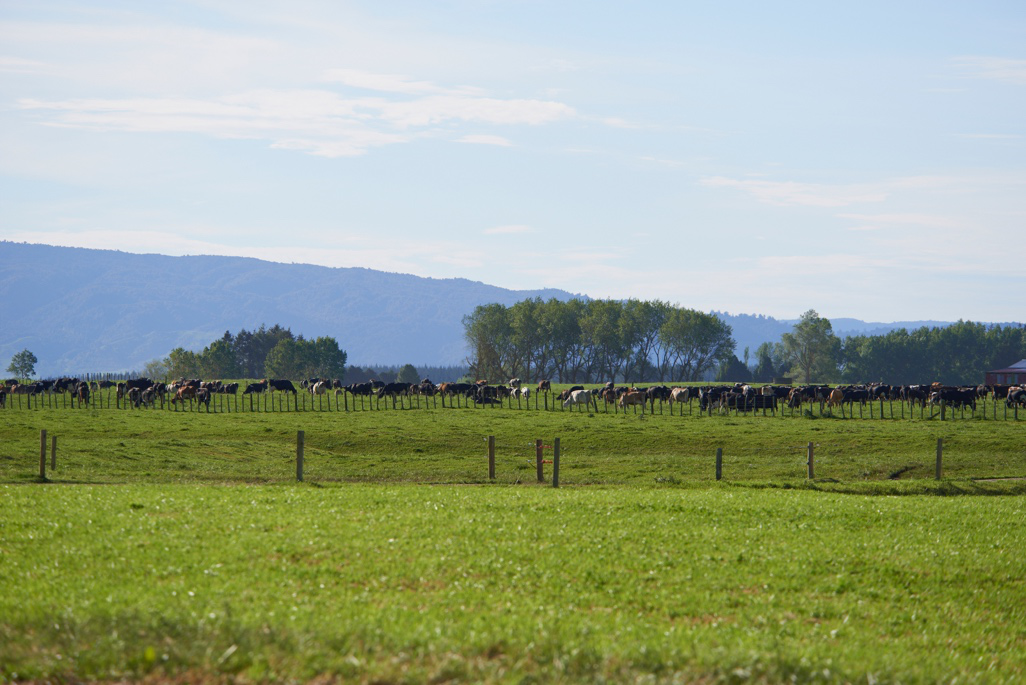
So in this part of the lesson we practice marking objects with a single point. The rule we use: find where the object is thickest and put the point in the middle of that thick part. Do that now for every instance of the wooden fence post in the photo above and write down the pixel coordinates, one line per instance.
(491, 457)
(555, 463)
(42, 454)
(719, 463)
(538, 454)
(940, 454)
(53, 452)
(299, 456)
(812, 462)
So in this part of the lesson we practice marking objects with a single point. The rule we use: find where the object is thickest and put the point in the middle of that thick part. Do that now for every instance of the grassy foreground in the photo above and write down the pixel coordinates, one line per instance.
(448, 446)
(400, 583)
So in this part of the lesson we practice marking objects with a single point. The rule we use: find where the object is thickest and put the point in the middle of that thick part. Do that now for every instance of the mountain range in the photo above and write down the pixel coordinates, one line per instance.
(87, 311)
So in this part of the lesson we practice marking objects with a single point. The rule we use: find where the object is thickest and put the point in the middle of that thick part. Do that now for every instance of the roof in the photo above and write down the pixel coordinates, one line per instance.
(1019, 366)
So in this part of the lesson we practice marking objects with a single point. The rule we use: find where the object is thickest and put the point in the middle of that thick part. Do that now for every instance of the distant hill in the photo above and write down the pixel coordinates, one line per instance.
(81, 310)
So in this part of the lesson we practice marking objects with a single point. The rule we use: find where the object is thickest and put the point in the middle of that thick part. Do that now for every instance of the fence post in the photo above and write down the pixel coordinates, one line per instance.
(942, 410)
(538, 454)
(491, 457)
(555, 463)
(53, 452)
(719, 463)
(940, 454)
(299, 456)
(42, 454)
(812, 462)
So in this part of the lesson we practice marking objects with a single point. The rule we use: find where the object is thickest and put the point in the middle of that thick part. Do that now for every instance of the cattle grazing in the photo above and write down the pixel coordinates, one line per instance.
(544, 386)
(633, 397)
(578, 397)
(566, 393)
(135, 397)
(187, 392)
(82, 392)
(679, 395)
(318, 388)
(257, 387)
(281, 385)
(514, 383)
(835, 398)
(1015, 397)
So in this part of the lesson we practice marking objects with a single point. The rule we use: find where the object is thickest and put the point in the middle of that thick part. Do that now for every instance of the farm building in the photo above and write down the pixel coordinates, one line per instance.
(1013, 375)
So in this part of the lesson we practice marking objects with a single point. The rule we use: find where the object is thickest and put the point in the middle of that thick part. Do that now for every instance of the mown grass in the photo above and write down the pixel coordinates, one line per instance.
(399, 583)
(177, 545)
(448, 446)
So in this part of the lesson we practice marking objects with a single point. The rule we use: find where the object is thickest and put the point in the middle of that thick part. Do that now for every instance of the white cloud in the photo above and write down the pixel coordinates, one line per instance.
(19, 65)
(315, 121)
(994, 68)
(789, 193)
(486, 140)
(514, 229)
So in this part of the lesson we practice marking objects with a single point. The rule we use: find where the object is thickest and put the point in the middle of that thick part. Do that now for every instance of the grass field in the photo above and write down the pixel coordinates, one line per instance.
(178, 545)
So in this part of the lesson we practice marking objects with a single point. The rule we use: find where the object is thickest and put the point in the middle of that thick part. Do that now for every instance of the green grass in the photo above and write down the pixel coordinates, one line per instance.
(404, 583)
(178, 545)
(439, 445)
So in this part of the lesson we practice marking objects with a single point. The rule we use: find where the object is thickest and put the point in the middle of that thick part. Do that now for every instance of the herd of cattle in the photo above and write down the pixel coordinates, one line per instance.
(738, 397)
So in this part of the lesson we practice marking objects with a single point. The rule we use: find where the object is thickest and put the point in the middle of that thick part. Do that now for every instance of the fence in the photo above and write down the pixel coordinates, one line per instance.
(302, 401)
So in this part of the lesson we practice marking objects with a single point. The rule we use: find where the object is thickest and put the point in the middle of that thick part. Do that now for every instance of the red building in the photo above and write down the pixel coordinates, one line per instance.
(1013, 375)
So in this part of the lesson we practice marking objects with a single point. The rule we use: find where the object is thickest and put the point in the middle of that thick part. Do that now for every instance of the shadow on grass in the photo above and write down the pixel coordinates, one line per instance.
(1003, 487)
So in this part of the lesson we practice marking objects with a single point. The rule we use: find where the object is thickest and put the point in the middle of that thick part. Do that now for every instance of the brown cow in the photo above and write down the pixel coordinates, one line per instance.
(835, 398)
(544, 386)
(634, 397)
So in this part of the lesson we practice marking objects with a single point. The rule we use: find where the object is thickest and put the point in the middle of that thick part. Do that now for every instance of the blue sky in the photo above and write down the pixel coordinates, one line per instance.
(864, 159)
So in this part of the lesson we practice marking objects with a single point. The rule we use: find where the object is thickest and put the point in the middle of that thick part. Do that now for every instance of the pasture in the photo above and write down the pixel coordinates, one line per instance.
(178, 544)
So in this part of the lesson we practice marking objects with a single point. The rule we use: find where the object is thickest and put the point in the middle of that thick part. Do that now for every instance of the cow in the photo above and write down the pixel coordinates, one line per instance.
(679, 395)
(257, 387)
(281, 385)
(1015, 397)
(514, 383)
(633, 397)
(522, 393)
(319, 388)
(577, 397)
(566, 393)
(82, 392)
(544, 386)
(135, 396)
(186, 392)
(835, 398)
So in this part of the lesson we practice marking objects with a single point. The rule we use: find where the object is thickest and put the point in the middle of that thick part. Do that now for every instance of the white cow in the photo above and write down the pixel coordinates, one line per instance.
(578, 397)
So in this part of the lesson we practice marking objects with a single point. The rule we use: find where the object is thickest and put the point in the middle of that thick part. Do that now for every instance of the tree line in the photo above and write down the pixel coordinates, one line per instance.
(642, 341)
(266, 352)
(599, 340)
(959, 354)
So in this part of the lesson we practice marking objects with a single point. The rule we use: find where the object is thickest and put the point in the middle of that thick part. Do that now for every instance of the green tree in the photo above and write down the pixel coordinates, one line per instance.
(182, 363)
(733, 370)
(407, 374)
(698, 342)
(218, 359)
(157, 369)
(23, 364)
(765, 369)
(811, 347)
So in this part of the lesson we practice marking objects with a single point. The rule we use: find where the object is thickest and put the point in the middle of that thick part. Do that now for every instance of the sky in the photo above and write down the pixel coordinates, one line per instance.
(866, 159)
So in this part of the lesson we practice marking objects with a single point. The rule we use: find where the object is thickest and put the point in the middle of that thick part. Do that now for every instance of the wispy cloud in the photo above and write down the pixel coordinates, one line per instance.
(994, 68)
(315, 121)
(482, 139)
(514, 229)
(789, 193)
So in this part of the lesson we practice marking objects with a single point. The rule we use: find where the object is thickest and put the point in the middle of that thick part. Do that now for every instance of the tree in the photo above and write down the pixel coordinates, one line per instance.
(23, 364)
(765, 369)
(733, 370)
(407, 374)
(698, 342)
(157, 369)
(811, 347)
